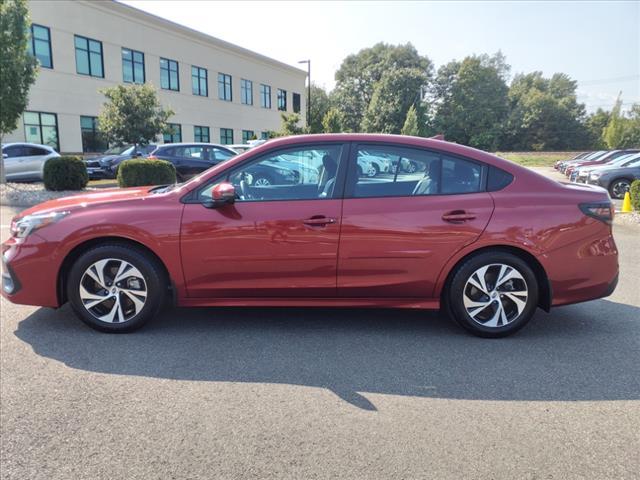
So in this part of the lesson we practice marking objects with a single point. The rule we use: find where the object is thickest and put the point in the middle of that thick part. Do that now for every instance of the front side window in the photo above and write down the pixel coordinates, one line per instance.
(42, 128)
(265, 96)
(296, 103)
(174, 135)
(224, 87)
(92, 140)
(201, 134)
(199, 83)
(282, 100)
(226, 136)
(389, 171)
(132, 66)
(169, 75)
(246, 91)
(247, 135)
(299, 173)
(89, 57)
(40, 45)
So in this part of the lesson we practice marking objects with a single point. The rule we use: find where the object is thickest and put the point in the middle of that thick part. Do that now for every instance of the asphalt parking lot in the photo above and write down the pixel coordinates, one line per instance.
(319, 393)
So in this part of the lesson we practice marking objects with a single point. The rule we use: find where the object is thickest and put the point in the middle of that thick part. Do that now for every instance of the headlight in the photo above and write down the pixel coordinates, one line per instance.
(30, 223)
(595, 175)
(105, 162)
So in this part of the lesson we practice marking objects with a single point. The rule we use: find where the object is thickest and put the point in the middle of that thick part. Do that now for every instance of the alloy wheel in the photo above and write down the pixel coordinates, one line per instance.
(113, 290)
(495, 295)
(619, 188)
(261, 182)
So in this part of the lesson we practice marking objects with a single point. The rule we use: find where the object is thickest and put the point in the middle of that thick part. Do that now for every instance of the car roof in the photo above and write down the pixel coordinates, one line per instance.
(191, 144)
(26, 144)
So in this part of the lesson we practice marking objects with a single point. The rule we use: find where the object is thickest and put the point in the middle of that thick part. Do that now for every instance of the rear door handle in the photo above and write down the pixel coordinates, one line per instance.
(319, 221)
(458, 216)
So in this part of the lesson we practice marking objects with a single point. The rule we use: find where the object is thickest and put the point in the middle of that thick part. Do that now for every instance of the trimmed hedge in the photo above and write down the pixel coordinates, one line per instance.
(634, 192)
(65, 173)
(143, 172)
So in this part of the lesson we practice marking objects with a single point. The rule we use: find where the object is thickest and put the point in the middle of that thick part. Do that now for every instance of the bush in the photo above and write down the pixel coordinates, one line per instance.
(634, 192)
(65, 173)
(139, 173)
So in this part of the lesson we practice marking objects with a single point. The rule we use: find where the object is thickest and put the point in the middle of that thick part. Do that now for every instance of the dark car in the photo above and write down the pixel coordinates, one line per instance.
(190, 159)
(616, 180)
(107, 164)
(487, 240)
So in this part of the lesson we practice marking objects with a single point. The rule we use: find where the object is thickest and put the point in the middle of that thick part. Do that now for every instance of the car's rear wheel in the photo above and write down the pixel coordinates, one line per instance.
(493, 294)
(262, 181)
(115, 287)
(619, 187)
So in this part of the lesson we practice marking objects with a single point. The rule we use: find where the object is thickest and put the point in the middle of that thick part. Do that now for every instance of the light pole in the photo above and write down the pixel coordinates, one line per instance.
(308, 62)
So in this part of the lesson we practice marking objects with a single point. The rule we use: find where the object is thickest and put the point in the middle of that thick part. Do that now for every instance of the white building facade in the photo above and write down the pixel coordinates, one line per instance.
(220, 92)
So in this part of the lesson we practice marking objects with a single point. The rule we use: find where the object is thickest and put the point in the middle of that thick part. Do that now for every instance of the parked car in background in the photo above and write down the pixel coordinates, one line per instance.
(593, 155)
(617, 180)
(191, 159)
(571, 171)
(581, 174)
(577, 157)
(456, 234)
(240, 147)
(107, 164)
(25, 161)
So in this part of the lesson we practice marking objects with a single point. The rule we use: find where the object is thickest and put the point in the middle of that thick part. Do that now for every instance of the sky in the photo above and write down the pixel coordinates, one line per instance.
(596, 43)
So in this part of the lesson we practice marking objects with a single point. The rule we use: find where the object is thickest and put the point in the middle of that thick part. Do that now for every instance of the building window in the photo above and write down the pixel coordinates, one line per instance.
(174, 135)
(296, 102)
(247, 135)
(169, 78)
(265, 96)
(199, 84)
(92, 140)
(264, 135)
(201, 134)
(132, 66)
(40, 45)
(224, 87)
(282, 100)
(226, 136)
(89, 57)
(42, 128)
(246, 91)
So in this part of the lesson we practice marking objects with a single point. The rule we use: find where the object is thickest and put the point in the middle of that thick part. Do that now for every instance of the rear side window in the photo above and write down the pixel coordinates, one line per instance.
(14, 151)
(221, 155)
(497, 179)
(391, 171)
(34, 151)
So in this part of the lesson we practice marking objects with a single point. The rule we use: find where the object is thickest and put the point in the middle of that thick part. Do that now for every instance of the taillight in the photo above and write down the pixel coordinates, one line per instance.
(151, 157)
(600, 211)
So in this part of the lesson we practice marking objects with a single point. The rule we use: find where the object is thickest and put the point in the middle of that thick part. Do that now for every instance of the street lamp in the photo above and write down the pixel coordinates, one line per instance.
(308, 62)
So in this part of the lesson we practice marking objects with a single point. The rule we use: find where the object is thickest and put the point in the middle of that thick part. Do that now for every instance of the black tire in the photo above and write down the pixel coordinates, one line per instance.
(618, 187)
(454, 295)
(154, 280)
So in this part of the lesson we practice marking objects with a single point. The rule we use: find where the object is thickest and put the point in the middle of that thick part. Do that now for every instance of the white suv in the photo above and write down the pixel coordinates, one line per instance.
(25, 161)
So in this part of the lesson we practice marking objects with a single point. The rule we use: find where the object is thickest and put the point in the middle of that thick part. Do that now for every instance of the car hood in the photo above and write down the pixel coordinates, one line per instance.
(632, 171)
(86, 200)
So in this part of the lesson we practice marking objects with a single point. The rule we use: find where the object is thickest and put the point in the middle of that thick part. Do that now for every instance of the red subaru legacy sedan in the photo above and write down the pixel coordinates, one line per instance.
(301, 221)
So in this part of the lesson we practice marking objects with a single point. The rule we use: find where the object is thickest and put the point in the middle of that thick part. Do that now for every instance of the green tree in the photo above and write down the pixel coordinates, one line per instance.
(410, 126)
(394, 94)
(469, 101)
(17, 66)
(544, 114)
(359, 74)
(631, 135)
(132, 114)
(332, 121)
(595, 124)
(320, 105)
(290, 124)
(614, 131)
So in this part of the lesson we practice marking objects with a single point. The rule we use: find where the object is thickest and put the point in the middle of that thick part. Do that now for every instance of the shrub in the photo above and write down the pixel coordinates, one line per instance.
(141, 172)
(634, 192)
(65, 173)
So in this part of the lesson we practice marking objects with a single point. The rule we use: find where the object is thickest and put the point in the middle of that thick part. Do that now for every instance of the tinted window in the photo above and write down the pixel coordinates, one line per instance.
(386, 171)
(40, 45)
(219, 154)
(34, 152)
(302, 173)
(88, 56)
(13, 151)
(498, 179)
(169, 74)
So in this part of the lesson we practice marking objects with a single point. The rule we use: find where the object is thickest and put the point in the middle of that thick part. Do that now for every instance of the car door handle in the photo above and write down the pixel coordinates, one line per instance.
(458, 216)
(319, 221)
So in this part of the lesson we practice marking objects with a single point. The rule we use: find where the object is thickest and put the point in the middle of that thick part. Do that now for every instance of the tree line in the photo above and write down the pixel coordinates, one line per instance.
(394, 89)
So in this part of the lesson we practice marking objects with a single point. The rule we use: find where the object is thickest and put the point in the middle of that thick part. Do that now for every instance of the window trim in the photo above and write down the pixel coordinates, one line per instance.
(33, 44)
(206, 81)
(484, 169)
(168, 69)
(243, 89)
(224, 89)
(208, 134)
(88, 50)
(24, 125)
(265, 96)
(133, 69)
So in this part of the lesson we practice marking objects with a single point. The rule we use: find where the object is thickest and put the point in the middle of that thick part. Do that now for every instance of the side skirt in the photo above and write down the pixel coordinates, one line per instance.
(417, 303)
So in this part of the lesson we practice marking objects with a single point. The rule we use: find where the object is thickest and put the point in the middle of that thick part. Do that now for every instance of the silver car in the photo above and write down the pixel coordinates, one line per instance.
(25, 161)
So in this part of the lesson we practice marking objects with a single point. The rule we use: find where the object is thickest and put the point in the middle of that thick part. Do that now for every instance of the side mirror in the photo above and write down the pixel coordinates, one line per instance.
(222, 194)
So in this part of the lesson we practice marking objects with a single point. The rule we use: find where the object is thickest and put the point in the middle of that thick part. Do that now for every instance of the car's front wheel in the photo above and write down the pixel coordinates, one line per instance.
(493, 294)
(116, 287)
(619, 187)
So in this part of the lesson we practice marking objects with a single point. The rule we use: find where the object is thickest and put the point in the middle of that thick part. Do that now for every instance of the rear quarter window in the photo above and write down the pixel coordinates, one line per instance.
(498, 179)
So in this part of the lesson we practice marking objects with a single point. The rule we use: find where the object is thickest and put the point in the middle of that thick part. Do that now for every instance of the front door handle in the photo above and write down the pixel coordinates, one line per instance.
(319, 221)
(458, 216)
